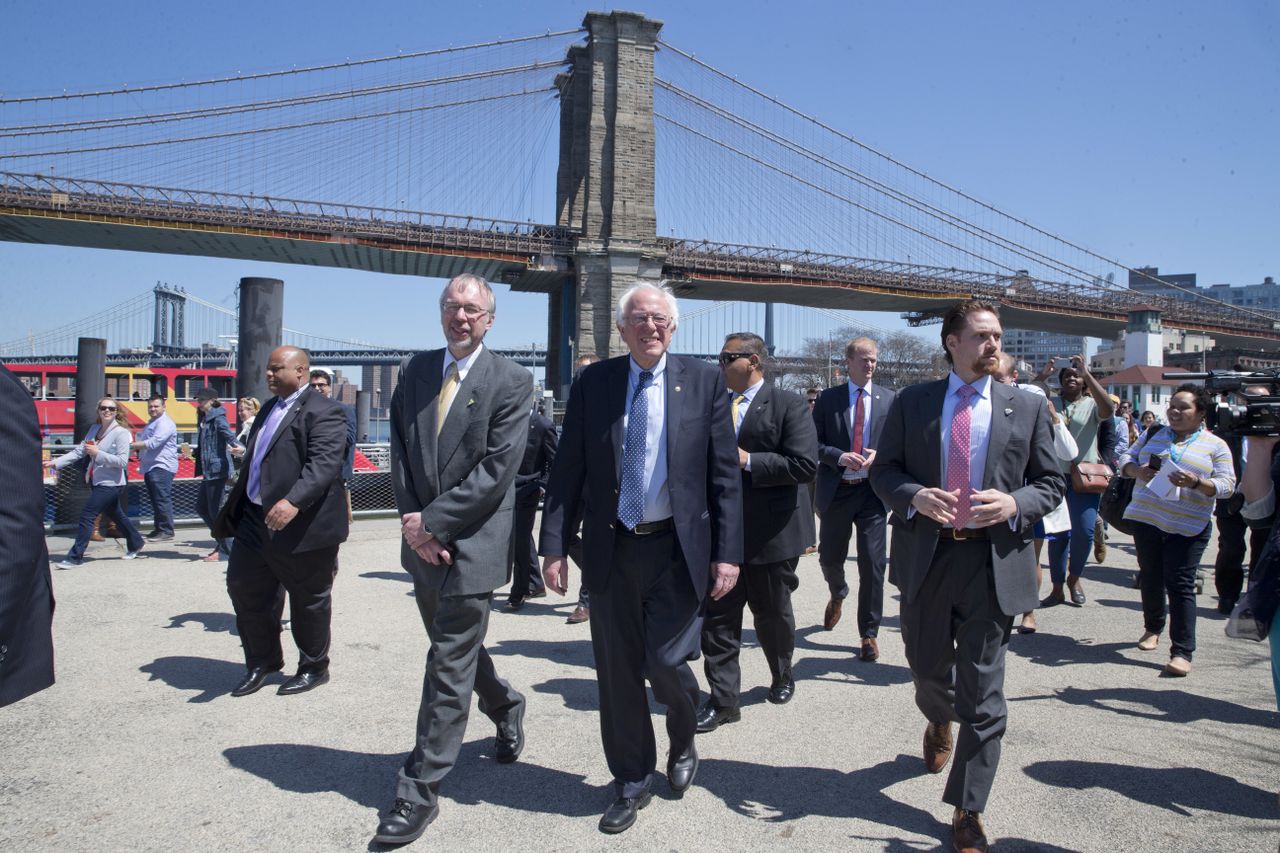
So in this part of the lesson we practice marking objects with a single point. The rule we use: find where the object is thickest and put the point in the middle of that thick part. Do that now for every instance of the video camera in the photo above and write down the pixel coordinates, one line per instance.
(1243, 413)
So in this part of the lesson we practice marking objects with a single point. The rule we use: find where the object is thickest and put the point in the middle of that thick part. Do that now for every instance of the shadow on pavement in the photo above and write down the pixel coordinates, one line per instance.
(575, 652)
(213, 678)
(212, 622)
(578, 694)
(777, 794)
(388, 576)
(1181, 790)
(1172, 706)
(1050, 649)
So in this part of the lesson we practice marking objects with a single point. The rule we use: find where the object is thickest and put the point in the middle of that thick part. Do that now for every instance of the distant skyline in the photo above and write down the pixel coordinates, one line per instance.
(1144, 131)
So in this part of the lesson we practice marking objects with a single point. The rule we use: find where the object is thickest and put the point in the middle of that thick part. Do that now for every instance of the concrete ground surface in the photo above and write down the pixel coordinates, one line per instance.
(139, 747)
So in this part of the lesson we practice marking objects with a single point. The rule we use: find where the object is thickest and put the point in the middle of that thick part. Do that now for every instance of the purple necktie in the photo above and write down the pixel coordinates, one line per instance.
(260, 444)
(958, 455)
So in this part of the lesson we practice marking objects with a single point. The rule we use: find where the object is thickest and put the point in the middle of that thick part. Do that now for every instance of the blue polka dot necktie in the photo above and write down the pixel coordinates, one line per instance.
(631, 491)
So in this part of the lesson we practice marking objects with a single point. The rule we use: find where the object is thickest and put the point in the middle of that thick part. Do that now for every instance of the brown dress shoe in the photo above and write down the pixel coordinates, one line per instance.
(580, 614)
(967, 834)
(937, 746)
(832, 614)
(870, 650)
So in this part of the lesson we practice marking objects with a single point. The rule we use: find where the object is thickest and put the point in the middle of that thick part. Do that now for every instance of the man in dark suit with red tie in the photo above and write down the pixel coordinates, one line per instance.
(26, 594)
(288, 515)
(648, 457)
(966, 465)
(850, 418)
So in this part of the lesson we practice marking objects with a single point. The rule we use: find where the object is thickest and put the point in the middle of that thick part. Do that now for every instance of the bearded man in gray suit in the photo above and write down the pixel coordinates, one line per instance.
(967, 467)
(458, 422)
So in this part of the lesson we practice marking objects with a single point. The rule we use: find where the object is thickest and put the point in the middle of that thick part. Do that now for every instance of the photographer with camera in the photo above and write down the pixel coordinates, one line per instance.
(1171, 532)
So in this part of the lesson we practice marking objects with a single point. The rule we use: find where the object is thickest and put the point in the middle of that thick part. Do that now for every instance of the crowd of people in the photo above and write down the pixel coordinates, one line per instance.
(686, 495)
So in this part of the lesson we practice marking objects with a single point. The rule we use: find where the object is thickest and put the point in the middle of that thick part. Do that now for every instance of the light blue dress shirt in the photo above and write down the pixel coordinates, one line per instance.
(161, 439)
(657, 501)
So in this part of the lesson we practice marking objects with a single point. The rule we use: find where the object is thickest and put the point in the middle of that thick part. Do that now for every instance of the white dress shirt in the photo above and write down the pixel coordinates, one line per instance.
(657, 501)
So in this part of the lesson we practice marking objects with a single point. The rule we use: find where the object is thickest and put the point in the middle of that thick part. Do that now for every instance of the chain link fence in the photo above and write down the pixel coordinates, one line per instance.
(371, 491)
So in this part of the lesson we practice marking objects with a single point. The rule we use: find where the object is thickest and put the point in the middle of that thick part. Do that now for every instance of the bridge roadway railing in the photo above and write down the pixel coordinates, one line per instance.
(690, 258)
(72, 197)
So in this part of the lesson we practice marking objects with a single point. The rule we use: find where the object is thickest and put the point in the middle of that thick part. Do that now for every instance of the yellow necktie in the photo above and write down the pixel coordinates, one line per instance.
(447, 390)
(737, 401)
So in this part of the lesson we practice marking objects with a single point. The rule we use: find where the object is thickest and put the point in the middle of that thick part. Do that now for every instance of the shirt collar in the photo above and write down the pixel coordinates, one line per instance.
(753, 389)
(853, 387)
(464, 364)
(292, 398)
(982, 384)
(657, 370)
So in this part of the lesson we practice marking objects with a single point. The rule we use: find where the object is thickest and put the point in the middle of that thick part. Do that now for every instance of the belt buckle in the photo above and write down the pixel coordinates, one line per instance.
(960, 534)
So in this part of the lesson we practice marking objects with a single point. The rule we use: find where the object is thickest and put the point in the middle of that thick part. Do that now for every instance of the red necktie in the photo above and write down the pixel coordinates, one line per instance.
(958, 455)
(858, 414)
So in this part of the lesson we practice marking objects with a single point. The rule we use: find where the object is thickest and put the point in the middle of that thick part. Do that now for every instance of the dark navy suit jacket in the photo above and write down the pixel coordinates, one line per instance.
(703, 478)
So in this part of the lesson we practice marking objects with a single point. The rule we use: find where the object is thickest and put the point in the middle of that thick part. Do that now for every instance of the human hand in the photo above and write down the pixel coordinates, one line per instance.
(725, 576)
(280, 515)
(91, 449)
(938, 504)
(555, 573)
(411, 529)
(992, 506)
(743, 456)
(853, 461)
(434, 552)
(1047, 370)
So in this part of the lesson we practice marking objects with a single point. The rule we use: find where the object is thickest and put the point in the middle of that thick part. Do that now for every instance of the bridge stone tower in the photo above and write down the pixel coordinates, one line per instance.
(605, 183)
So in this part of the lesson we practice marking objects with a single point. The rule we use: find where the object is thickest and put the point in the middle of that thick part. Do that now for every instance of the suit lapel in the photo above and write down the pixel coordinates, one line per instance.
(842, 418)
(287, 419)
(618, 382)
(998, 436)
(428, 391)
(879, 409)
(675, 405)
(930, 416)
(469, 393)
(758, 409)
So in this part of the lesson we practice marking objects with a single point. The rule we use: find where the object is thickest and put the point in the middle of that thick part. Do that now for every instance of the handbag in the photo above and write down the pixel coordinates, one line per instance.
(1090, 478)
(1119, 491)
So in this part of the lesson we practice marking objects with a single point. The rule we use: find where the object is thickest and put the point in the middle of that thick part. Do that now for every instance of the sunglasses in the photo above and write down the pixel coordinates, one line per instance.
(727, 358)
(106, 408)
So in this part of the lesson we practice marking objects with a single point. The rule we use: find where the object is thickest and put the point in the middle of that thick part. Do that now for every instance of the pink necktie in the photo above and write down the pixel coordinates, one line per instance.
(958, 454)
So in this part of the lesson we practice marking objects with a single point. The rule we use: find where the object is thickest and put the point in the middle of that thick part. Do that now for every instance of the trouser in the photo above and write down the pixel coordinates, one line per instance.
(457, 666)
(209, 500)
(1274, 637)
(575, 554)
(258, 577)
(766, 588)
(1167, 565)
(1228, 568)
(160, 490)
(955, 638)
(645, 623)
(104, 500)
(525, 578)
(1083, 509)
(856, 506)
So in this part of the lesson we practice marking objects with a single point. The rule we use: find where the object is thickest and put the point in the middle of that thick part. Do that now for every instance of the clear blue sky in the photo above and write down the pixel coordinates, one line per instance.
(1144, 130)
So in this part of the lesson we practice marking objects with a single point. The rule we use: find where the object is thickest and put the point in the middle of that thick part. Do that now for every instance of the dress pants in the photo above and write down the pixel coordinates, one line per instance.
(766, 588)
(213, 492)
(955, 638)
(160, 489)
(1167, 566)
(575, 554)
(457, 665)
(258, 577)
(856, 506)
(646, 622)
(525, 578)
(1228, 568)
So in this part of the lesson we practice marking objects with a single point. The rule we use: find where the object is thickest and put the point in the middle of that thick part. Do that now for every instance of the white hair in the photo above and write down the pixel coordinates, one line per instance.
(673, 308)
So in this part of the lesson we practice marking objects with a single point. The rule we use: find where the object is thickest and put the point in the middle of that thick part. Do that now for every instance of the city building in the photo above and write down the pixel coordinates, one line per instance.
(380, 381)
(1144, 385)
(1036, 348)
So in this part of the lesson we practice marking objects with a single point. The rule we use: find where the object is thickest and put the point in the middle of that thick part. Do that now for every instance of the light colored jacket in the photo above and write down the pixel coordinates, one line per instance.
(109, 466)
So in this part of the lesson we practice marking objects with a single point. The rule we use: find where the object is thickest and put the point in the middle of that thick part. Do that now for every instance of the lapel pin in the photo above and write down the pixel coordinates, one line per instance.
(1008, 411)
(471, 402)
(677, 387)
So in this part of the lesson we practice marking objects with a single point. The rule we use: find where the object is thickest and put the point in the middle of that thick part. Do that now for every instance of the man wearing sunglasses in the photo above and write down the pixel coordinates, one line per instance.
(321, 384)
(777, 453)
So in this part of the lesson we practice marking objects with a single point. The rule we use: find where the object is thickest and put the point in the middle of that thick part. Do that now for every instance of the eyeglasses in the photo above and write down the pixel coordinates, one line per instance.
(106, 408)
(728, 358)
(660, 321)
(473, 312)
(319, 384)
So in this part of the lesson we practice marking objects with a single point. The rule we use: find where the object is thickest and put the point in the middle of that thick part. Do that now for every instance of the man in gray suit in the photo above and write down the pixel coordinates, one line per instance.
(966, 466)
(458, 423)
(850, 418)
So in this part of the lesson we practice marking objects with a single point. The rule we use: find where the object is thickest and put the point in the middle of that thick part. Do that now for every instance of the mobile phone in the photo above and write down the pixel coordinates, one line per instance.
(1155, 462)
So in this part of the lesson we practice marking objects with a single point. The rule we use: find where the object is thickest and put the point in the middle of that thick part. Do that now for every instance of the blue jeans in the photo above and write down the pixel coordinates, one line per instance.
(160, 489)
(1274, 636)
(1083, 510)
(103, 500)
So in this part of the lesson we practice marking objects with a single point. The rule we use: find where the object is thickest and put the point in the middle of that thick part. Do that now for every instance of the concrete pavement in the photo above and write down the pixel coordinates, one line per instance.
(138, 747)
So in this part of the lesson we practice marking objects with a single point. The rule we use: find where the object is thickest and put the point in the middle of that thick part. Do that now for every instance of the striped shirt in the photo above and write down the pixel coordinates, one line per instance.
(1207, 457)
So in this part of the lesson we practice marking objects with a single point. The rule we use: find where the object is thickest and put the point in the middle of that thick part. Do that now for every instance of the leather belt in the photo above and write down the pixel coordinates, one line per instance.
(648, 528)
(862, 481)
(964, 534)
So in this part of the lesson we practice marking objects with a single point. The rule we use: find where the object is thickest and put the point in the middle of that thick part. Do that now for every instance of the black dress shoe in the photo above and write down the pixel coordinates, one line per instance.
(254, 678)
(781, 693)
(619, 816)
(515, 603)
(159, 535)
(304, 681)
(711, 718)
(681, 769)
(510, 741)
(405, 822)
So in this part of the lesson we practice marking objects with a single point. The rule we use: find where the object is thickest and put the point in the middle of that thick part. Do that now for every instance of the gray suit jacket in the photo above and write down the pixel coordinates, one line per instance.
(1020, 462)
(835, 434)
(462, 481)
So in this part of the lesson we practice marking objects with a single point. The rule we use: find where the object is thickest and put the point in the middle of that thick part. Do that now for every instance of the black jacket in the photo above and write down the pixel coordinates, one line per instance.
(539, 453)
(778, 432)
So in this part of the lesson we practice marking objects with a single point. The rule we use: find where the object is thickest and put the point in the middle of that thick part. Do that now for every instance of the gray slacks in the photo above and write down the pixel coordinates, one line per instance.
(955, 638)
(457, 665)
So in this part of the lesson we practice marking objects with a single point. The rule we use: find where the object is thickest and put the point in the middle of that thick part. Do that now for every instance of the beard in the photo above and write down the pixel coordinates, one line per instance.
(987, 365)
